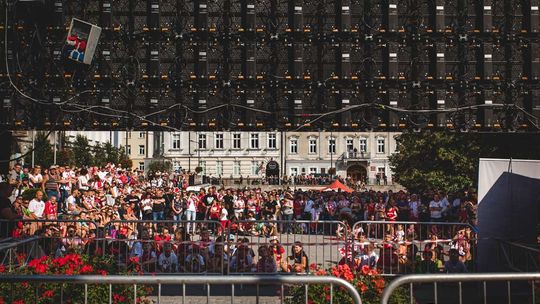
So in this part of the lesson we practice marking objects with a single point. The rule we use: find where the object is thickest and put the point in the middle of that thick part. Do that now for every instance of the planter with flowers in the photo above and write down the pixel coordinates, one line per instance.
(70, 264)
(367, 281)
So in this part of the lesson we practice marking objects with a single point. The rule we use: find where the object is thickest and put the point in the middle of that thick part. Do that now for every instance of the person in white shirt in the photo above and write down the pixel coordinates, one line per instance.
(435, 209)
(36, 205)
(167, 261)
(413, 208)
(82, 181)
(71, 203)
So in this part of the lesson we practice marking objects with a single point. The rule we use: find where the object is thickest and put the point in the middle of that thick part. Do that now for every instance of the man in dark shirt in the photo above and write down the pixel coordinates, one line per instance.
(6, 210)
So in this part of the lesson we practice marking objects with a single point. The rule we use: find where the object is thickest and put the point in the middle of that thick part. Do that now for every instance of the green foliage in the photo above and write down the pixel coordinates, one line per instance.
(449, 161)
(159, 165)
(82, 152)
(100, 155)
(31, 193)
(43, 153)
(71, 265)
(65, 157)
(124, 159)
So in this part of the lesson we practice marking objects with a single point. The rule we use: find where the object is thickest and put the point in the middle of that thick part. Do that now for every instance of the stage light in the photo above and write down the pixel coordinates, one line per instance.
(66, 123)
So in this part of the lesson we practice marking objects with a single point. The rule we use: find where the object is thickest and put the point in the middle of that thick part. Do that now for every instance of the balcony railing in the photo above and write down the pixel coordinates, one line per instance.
(354, 156)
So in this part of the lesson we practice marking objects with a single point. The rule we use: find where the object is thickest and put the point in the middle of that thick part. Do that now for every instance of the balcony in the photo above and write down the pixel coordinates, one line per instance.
(345, 158)
(355, 156)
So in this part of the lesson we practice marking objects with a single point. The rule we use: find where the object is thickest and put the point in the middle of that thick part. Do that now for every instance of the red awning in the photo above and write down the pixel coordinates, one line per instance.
(337, 186)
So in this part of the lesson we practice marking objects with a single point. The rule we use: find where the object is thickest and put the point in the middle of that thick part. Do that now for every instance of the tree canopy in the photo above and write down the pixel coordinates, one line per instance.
(449, 161)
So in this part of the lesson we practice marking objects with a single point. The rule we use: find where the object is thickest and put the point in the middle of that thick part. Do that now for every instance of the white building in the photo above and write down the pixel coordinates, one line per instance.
(355, 154)
(97, 137)
(219, 153)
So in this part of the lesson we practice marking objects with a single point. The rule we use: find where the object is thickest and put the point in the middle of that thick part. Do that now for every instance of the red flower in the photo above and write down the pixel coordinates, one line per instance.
(313, 267)
(25, 284)
(2, 269)
(48, 294)
(362, 287)
(327, 297)
(365, 269)
(18, 302)
(117, 298)
(86, 269)
(103, 272)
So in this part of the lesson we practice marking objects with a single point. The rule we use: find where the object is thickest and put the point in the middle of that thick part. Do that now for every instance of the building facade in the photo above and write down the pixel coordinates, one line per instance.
(225, 154)
(360, 155)
(137, 145)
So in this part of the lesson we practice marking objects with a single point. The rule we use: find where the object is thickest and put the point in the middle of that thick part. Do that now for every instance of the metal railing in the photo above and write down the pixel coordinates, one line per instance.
(519, 257)
(396, 257)
(483, 278)
(317, 240)
(206, 281)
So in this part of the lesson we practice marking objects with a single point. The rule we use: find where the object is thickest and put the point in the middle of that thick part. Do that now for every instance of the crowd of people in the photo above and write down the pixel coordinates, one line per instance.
(209, 230)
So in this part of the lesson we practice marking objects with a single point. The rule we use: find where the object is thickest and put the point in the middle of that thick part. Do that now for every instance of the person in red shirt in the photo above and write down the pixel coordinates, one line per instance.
(50, 209)
(391, 215)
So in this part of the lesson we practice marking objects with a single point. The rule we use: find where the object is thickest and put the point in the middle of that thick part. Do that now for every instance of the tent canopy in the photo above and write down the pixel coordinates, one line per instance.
(336, 186)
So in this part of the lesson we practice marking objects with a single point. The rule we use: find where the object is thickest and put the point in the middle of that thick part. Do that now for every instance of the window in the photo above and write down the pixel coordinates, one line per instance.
(202, 164)
(332, 146)
(293, 144)
(128, 149)
(254, 141)
(363, 145)
(219, 141)
(312, 170)
(380, 145)
(176, 141)
(323, 170)
(272, 142)
(202, 141)
(293, 171)
(141, 166)
(236, 167)
(141, 150)
(236, 141)
(141, 134)
(349, 146)
(254, 168)
(219, 167)
(312, 145)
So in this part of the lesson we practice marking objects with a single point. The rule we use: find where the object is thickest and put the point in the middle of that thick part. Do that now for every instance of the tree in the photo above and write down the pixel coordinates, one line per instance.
(65, 157)
(111, 153)
(449, 161)
(100, 155)
(123, 158)
(43, 153)
(159, 165)
(82, 152)
(446, 161)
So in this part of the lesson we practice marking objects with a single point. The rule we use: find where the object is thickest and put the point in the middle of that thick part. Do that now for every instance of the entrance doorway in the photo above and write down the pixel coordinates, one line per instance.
(357, 173)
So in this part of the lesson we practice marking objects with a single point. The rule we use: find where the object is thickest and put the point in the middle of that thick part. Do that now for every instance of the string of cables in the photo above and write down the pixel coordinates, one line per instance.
(71, 105)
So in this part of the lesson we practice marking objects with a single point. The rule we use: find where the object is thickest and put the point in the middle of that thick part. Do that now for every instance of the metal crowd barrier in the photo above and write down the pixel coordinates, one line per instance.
(52, 237)
(489, 294)
(519, 257)
(321, 249)
(400, 256)
(10, 248)
(259, 281)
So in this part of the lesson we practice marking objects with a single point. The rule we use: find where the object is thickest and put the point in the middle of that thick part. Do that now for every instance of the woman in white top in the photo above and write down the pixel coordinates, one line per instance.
(35, 177)
(191, 212)
(146, 206)
(82, 180)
